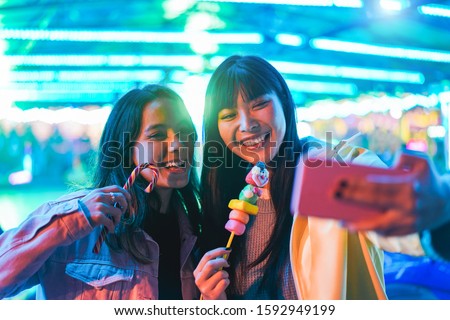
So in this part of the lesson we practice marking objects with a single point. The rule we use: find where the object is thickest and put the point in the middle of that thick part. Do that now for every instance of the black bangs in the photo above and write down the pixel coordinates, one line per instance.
(241, 79)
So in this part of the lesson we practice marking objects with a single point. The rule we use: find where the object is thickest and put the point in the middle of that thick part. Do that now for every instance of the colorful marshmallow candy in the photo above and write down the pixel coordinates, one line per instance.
(241, 208)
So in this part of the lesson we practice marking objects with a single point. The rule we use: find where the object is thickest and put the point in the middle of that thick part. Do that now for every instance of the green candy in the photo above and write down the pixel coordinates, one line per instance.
(248, 195)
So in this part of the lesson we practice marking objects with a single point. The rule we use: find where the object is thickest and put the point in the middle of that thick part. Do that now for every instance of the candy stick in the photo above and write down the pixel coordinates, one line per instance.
(230, 240)
(131, 179)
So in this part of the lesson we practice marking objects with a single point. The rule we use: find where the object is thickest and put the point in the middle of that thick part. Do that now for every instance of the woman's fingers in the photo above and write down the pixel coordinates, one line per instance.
(393, 222)
(215, 288)
(210, 255)
(209, 275)
(101, 218)
(377, 193)
(106, 205)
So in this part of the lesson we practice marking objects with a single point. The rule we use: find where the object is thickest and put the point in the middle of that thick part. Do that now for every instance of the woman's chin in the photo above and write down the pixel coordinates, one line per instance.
(176, 181)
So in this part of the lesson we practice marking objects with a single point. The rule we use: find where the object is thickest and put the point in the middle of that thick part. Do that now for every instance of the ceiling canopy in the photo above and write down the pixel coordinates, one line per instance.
(58, 51)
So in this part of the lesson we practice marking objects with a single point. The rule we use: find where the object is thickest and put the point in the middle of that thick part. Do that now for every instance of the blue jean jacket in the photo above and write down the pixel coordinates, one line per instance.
(52, 248)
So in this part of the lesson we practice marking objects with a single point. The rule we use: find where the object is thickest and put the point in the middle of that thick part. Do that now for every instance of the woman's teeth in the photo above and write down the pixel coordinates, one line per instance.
(253, 142)
(173, 164)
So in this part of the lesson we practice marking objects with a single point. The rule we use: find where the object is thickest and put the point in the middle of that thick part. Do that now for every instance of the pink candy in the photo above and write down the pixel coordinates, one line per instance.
(235, 226)
(239, 215)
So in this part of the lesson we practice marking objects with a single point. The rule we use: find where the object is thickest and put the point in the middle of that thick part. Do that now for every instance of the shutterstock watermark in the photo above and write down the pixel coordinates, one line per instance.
(313, 153)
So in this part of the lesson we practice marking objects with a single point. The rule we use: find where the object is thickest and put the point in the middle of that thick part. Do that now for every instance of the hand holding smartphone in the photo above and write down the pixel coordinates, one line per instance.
(316, 182)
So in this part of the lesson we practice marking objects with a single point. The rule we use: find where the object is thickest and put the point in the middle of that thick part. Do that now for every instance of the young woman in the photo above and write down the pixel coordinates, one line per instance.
(148, 258)
(250, 117)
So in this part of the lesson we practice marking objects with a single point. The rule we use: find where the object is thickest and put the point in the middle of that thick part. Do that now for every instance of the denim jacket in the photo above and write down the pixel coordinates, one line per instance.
(53, 248)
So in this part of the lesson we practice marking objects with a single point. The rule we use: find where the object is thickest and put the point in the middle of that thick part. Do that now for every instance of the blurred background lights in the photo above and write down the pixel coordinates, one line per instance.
(202, 43)
(348, 3)
(381, 50)
(12, 219)
(435, 10)
(320, 3)
(174, 8)
(304, 129)
(289, 39)
(396, 112)
(394, 5)
(436, 131)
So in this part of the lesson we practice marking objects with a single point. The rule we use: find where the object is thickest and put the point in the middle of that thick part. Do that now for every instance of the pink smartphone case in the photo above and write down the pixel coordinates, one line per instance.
(317, 179)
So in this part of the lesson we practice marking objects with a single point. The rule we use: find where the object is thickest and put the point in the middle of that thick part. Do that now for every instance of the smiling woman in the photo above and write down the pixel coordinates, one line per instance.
(253, 126)
(250, 114)
(149, 257)
(166, 139)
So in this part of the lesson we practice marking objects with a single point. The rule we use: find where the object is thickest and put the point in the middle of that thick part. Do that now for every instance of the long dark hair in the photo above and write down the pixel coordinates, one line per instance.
(115, 164)
(222, 180)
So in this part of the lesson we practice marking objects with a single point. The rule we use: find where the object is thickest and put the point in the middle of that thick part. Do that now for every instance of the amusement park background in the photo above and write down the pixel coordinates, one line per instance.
(378, 67)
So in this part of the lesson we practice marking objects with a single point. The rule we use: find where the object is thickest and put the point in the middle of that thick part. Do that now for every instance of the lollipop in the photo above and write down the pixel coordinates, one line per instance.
(127, 186)
(246, 204)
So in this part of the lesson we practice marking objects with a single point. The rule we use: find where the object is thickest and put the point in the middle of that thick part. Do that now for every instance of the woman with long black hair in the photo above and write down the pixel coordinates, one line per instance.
(250, 117)
(148, 257)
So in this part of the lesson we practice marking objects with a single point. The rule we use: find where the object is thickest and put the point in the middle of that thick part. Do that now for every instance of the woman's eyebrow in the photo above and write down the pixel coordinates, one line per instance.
(153, 126)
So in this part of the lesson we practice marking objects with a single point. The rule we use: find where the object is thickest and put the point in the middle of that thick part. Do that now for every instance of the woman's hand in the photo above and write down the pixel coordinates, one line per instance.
(410, 204)
(210, 279)
(105, 206)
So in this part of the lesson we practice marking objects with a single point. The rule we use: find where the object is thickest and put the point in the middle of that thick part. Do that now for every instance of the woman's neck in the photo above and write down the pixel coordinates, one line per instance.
(164, 195)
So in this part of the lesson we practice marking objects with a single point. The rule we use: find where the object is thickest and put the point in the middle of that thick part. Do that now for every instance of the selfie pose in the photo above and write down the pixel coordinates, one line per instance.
(250, 117)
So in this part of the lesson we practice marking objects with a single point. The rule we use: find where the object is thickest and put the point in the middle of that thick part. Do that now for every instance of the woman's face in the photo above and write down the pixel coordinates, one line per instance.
(254, 130)
(164, 141)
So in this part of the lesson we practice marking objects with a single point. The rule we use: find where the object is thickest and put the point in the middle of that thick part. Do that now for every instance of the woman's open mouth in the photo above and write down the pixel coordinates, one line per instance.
(174, 166)
(255, 143)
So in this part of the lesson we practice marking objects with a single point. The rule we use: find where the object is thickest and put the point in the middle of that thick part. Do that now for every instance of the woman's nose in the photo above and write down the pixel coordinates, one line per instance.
(174, 142)
(248, 123)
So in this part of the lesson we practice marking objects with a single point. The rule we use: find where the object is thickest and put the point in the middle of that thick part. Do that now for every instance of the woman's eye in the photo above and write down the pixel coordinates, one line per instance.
(260, 105)
(157, 136)
(227, 116)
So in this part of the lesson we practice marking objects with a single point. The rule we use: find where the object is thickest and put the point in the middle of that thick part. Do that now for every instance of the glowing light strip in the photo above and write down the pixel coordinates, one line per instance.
(435, 10)
(379, 50)
(68, 86)
(327, 109)
(64, 92)
(97, 116)
(126, 36)
(188, 62)
(312, 3)
(349, 72)
(185, 61)
(348, 3)
(289, 39)
(323, 109)
(392, 5)
(88, 76)
(322, 70)
(347, 89)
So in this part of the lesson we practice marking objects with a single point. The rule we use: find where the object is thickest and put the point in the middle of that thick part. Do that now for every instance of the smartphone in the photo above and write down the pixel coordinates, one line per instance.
(316, 180)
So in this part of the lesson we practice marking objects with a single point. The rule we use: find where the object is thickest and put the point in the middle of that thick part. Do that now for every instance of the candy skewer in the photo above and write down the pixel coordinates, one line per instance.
(257, 178)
